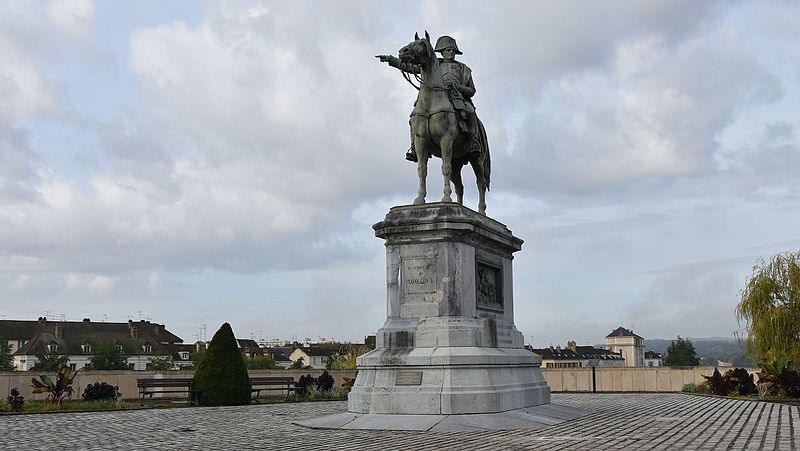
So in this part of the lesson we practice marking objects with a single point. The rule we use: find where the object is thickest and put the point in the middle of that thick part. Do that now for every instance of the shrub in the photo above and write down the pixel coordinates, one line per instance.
(100, 391)
(325, 382)
(221, 376)
(261, 362)
(781, 377)
(304, 383)
(718, 384)
(308, 384)
(348, 382)
(15, 401)
(313, 394)
(736, 381)
(741, 382)
(693, 388)
(56, 390)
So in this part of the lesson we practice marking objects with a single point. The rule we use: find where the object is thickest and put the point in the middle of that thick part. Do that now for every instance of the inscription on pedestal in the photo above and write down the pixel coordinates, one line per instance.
(418, 279)
(489, 286)
(504, 334)
(408, 378)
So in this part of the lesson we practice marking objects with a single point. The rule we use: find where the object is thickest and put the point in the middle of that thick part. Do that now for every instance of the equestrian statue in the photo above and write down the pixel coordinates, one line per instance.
(443, 123)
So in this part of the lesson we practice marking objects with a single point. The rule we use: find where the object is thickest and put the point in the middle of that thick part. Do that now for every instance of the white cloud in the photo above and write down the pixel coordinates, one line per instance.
(73, 17)
(260, 143)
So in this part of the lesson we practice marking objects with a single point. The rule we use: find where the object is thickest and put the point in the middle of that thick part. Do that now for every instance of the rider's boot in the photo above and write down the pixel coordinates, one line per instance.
(411, 153)
(475, 142)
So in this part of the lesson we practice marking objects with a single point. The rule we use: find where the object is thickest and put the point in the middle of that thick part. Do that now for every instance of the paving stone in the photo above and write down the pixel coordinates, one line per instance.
(619, 421)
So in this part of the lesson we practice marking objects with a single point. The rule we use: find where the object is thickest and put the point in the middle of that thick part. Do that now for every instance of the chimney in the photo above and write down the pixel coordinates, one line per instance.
(87, 320)
(157, 328)
(134, 332)
(42, 321)
(572, 345)
(58, 331)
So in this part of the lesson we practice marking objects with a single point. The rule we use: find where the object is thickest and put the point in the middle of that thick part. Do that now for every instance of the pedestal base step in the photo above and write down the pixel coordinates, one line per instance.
(527, 418)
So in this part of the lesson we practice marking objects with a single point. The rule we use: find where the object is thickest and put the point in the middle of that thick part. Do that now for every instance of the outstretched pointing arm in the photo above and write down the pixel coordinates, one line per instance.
(396, 63)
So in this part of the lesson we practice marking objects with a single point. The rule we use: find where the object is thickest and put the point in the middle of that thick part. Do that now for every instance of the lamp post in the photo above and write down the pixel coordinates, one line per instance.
(593, 364)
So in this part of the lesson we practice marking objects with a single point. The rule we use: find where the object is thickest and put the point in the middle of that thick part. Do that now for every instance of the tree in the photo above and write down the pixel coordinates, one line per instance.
(262, 362)
(51, 361)
(160, 363)
(221, 376)
(770, 308)
(298, 364)
(681, 353)
(107, 357)
(6, 361)
(347, 359)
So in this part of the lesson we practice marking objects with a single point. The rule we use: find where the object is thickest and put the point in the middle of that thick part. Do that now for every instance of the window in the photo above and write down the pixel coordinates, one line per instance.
(184, 355)
(87, 348)
(119, 347)
(20, 344)
(52, 347)
(565, 365)
(73, 366)
(147, 348)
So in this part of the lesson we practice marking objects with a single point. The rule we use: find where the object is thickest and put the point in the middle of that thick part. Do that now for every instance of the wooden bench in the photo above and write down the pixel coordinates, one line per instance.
(152, 386)
(270, 383)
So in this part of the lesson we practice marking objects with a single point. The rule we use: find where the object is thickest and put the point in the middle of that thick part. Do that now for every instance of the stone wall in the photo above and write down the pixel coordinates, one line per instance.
(643, 379)
(662, 379)
(126, 380)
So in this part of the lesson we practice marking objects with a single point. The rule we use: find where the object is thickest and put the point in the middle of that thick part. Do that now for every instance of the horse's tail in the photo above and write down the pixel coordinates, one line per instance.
(486, 159)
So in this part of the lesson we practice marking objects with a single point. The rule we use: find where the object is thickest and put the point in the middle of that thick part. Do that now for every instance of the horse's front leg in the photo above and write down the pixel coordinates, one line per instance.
(422, 166)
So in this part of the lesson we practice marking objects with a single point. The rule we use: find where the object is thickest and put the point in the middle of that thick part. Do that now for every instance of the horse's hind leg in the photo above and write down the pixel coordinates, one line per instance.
(446, 144)
(475, 162)
(455, 177)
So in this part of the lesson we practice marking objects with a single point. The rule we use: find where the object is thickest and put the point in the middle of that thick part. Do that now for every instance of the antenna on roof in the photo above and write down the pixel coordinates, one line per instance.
(105, 317)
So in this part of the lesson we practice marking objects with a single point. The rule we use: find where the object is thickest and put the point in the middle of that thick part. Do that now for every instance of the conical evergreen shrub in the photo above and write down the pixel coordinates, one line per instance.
(221, 376)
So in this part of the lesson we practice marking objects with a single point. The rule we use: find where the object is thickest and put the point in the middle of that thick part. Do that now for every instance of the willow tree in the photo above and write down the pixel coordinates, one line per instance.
(770, 308)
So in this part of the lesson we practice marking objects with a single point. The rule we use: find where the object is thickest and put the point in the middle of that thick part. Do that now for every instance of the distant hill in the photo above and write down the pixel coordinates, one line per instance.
(710, 350)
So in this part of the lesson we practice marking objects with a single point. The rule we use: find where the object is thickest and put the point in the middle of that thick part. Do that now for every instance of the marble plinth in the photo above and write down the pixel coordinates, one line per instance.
(449, 344)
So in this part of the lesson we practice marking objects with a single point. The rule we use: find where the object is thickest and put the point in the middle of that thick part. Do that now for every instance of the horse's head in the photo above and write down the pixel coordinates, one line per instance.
(419, 51)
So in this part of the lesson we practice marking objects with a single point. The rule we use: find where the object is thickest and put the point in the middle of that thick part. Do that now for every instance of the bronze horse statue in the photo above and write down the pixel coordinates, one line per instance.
(436, 131)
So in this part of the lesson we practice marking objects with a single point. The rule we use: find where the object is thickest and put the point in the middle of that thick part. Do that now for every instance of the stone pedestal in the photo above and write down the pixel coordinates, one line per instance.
(449, 344)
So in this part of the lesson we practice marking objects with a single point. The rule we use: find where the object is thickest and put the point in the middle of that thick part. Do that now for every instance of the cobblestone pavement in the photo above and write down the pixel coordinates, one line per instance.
(618, 421)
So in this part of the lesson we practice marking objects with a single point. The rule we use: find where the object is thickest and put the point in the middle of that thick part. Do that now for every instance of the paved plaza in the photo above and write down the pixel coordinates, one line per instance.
(618, 421)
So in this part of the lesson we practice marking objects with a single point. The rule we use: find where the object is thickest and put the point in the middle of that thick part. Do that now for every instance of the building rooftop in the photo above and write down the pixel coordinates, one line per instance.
(622, 332)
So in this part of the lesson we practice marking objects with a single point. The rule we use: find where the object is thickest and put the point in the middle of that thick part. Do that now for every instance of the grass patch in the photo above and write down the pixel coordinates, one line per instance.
(42, 406)
(313, 394)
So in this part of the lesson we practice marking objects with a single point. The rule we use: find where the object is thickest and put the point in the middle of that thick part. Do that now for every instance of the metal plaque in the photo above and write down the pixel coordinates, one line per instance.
(408, 378)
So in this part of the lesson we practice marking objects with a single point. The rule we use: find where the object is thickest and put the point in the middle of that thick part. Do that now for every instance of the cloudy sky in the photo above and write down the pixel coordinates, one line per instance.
(201, 162)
